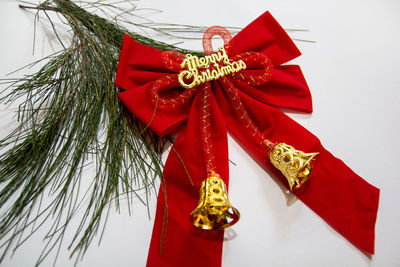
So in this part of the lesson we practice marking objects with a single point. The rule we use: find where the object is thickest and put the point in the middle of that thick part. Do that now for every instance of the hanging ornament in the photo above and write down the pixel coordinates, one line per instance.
(239, 87)
(214, 210)
(295, 165)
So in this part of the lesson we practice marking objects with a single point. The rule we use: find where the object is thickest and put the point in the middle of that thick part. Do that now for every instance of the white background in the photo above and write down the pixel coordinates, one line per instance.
(354, 76)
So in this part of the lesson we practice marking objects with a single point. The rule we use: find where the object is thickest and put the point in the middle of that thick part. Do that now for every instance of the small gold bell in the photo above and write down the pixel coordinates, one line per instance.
(214, 210)
(294, 164)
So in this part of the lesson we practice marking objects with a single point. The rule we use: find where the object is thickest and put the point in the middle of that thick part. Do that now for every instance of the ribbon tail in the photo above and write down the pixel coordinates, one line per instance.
(175, 241)
(338, 195)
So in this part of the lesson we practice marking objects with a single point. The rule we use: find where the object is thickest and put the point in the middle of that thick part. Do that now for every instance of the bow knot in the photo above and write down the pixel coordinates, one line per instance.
(192, 72)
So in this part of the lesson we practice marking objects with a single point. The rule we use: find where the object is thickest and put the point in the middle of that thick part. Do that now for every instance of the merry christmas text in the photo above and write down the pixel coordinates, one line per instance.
(214, 66)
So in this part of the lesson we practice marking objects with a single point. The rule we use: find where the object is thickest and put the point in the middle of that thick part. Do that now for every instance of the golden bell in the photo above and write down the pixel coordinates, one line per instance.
(214, 210)
(294, 164)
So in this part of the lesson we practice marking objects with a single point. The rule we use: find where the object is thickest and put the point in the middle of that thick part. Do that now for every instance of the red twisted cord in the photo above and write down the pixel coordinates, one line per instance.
(176, 100)
(231, 91)
(205, 125)
(242, 114)
(205, 130)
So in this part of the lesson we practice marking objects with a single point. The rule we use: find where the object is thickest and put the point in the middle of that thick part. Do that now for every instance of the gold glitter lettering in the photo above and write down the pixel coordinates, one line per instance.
(216, 66)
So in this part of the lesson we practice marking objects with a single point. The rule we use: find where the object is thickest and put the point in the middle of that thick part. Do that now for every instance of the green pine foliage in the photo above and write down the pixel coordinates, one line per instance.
(70, 116)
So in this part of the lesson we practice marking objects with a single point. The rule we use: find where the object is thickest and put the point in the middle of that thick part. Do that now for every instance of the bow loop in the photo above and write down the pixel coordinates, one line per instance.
(172, 60)
(258, 68)
(266, 36)
(166, 93)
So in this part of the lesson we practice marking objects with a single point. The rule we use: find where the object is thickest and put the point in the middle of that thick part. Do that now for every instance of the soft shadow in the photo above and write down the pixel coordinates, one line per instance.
(230, 234)
(288, 111)
(290, 197)
(365, 255)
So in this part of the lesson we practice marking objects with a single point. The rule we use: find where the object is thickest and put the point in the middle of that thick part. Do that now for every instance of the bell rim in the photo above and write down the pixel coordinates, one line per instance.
(235, 218)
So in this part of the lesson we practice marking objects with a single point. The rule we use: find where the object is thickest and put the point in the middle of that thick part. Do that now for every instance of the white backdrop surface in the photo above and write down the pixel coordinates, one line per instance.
(353, 73)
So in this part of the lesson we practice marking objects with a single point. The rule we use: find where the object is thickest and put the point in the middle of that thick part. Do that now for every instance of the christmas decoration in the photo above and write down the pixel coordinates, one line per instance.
(167, 89)
(238, 88)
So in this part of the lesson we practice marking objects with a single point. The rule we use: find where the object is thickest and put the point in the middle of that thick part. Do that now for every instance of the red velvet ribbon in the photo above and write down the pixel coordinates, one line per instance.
(338, 195)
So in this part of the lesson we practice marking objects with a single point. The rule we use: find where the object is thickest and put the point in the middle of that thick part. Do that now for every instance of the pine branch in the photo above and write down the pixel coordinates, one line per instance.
(70, 114)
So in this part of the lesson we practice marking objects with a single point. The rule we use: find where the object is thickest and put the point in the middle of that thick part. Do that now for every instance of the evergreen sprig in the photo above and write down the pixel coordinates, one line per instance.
(70, 114)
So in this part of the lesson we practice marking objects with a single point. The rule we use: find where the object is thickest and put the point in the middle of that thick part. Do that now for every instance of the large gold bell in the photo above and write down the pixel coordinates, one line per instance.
(294, 164)
(214, 210)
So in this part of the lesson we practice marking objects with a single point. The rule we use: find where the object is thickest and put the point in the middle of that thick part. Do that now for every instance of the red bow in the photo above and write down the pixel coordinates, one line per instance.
(342, 198)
